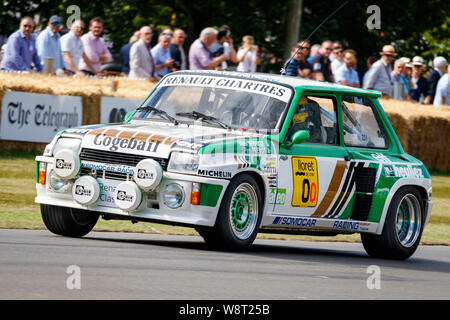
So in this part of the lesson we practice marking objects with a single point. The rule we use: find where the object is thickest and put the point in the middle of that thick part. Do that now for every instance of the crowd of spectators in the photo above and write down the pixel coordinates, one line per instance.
(78, 53)
(401, 79)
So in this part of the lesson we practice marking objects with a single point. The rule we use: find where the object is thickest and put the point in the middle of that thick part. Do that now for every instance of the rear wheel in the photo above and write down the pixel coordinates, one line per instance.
(239, 215)
(68, 221)
(402, 228)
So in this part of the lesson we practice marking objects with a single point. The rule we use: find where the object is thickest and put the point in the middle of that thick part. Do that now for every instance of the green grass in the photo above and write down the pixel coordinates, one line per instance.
(18, 210)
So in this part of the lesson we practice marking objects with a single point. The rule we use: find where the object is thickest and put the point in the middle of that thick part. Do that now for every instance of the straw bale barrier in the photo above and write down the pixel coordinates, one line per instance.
(423, 130)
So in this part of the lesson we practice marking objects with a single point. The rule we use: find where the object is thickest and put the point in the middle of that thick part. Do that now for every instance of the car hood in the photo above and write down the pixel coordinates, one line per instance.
(152, 139)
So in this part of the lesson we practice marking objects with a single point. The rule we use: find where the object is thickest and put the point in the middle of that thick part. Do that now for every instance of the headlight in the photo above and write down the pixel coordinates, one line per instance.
(173, 195)
(67, 143)
(183, 162)
(57, 184)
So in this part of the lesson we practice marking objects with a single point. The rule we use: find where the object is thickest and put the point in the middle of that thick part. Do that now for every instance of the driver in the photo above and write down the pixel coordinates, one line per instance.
(307, 117)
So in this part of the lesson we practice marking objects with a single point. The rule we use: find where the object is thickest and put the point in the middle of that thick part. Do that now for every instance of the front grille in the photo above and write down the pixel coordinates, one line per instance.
(109, 157)
(104, 174)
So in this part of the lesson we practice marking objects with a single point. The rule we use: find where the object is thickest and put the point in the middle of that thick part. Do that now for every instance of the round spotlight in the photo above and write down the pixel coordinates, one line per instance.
(148, 174)
(66, 164)
(86, 190)
(173, 195)
(127, 196)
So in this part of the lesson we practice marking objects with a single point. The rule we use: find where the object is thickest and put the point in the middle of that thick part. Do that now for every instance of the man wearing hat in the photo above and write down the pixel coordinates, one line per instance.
(379, 76)
(418, 83)
(48, 43)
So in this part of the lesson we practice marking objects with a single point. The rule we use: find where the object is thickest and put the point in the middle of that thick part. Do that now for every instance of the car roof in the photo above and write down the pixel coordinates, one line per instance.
(289, 80)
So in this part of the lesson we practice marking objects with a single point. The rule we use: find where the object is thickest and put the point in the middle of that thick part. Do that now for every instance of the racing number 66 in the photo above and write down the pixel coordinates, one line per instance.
(305, 182)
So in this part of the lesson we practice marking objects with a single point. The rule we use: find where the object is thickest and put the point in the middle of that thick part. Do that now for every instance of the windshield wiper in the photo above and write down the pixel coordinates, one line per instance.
(203, 117)
(159, 112)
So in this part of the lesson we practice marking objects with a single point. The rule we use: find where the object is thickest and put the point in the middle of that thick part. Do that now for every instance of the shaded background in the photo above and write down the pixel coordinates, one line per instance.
(414, 27)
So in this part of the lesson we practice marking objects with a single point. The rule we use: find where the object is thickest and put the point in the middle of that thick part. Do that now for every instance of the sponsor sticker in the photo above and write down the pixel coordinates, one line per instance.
(306, 182)
(99, 166)
(114, 143)
(295, 221)
(380, 157)
(214, 173)
(107, 188)
(254, 86)
(277, 196)
(346, 225)
(403, 171)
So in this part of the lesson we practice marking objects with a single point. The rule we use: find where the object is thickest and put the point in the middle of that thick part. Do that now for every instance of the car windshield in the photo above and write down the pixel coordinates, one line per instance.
(217, 101)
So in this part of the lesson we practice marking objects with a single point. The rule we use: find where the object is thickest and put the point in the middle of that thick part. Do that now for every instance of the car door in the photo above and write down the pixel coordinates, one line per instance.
(367, 143)
(312, 174)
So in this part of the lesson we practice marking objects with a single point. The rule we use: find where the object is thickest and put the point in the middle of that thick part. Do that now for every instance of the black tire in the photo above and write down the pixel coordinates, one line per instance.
(67, 221)
(239, 216)
(210, 235)
(400, 236)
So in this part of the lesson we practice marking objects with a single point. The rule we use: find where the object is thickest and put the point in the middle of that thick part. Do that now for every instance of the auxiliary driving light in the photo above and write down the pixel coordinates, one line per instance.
(86, 190)
(148, 174)
(66, 164)
(128, 196)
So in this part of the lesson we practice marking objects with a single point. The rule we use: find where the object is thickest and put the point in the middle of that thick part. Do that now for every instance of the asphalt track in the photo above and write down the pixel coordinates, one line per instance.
(35, 264)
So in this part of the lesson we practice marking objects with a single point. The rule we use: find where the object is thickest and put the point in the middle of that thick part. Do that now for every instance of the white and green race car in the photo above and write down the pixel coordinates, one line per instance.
(234, 154)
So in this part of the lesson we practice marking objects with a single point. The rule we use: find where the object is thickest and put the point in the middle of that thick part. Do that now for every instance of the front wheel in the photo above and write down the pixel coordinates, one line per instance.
(68, 222)
(239, 215)
(402, 228)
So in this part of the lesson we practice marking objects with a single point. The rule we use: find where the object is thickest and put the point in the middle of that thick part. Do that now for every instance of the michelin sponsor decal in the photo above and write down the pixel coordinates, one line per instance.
(259, 87)
(214, 173)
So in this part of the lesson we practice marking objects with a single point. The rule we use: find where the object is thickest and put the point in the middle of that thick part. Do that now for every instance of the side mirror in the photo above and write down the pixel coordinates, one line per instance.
(128, 116)
(300, 137)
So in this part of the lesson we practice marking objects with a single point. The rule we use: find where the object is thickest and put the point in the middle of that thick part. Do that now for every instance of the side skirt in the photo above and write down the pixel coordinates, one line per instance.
(295, 224)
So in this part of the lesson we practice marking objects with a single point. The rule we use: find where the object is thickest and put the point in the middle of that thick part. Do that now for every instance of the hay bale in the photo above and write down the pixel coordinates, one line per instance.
(401, 126)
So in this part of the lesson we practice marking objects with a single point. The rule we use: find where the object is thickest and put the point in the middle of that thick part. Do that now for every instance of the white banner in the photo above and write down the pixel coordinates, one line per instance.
(113, 110)
(35, 117)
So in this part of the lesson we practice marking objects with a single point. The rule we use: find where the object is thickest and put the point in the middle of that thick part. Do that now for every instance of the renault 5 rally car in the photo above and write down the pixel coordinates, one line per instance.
(234, 154)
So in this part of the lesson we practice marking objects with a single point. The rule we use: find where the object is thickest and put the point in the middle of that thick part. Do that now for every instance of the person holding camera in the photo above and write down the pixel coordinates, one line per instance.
(247, 55)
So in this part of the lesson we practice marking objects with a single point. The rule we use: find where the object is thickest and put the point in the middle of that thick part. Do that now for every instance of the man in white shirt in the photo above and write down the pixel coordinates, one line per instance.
(72, 48)
(248, 55)
(338, 61)
(442, 96)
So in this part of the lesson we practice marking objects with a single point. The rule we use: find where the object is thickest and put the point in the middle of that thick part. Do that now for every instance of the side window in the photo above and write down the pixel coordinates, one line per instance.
(360, 124)
(317, 115)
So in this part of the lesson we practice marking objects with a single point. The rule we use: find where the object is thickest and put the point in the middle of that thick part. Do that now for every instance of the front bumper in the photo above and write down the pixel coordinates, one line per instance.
(152, 206)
